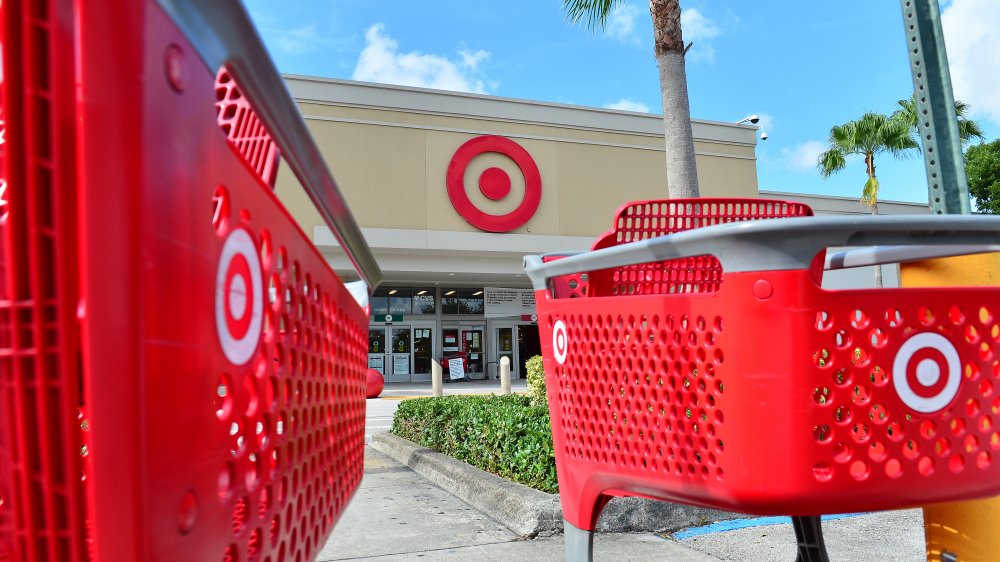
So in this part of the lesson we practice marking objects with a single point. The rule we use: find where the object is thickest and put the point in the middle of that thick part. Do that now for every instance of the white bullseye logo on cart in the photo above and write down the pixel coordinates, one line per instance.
(560, 342)
(239, 298)
(926, 372)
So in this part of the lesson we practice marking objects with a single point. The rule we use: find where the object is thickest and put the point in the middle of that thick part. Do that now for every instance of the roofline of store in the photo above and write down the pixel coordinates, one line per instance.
(312, 89)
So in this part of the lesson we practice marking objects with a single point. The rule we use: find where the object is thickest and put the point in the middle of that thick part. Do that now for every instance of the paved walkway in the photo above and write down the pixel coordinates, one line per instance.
(398, 515)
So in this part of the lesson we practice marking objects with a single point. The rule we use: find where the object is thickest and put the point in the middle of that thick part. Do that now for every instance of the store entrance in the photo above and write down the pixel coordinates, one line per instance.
(517, 342)
(468, 342)
(401, 353)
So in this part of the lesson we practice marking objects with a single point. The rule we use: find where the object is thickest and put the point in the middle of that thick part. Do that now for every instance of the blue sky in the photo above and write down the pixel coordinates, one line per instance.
(802, 66)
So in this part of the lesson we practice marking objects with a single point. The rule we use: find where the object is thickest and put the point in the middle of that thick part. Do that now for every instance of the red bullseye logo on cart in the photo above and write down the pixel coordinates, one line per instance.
(239, 297)
(494, 184)
(560, 342)
(926, 372)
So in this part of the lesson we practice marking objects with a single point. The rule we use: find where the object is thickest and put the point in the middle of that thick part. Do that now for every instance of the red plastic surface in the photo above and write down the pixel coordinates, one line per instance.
(42, 508)
(774, 396)
(375, 384)
(640, 220)
(244, 129)
(182, 376)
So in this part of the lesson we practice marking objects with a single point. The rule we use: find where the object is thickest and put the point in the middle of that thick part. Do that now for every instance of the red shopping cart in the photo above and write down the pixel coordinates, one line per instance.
(710, 367)
(182, 375)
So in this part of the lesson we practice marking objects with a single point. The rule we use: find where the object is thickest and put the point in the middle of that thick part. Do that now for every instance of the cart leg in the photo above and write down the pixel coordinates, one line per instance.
(579, 543)
(809, 534)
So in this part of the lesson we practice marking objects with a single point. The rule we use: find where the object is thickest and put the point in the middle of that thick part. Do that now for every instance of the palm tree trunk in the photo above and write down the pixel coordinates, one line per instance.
(878, 268)
(668, 41)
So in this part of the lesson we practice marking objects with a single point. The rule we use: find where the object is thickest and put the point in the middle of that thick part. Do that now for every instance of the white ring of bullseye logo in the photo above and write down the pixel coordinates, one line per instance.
(928, 372)
(239, 297)
(560, 342)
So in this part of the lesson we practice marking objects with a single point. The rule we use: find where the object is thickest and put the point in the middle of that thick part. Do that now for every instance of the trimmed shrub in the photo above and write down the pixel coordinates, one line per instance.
(505, 435)
(536, 380)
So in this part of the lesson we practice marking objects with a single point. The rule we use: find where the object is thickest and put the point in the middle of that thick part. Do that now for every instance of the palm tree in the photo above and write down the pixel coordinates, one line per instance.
(967, 128)
(872, 134)
(668, 46)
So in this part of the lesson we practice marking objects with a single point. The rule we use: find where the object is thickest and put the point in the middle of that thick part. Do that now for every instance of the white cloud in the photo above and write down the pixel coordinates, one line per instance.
(381, 61)
(621, 23)
(974, 53)
(296, 41)
(700, 30)
(803, 156)
(626, 104)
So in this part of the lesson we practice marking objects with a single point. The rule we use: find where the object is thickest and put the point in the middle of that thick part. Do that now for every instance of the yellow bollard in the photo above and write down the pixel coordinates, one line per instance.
(967, 530)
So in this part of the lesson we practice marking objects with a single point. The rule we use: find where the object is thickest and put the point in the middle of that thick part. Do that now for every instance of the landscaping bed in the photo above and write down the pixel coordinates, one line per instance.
(509, 436)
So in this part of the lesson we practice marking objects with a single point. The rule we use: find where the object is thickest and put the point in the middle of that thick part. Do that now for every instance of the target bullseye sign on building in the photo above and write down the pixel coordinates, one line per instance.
(494, 183)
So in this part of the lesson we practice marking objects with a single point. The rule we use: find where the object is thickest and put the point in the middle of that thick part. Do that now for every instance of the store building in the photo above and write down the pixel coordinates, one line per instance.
(451, 190)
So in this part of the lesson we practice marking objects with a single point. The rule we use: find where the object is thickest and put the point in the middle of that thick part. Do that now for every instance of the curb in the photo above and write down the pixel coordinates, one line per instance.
(525, 511)
(528, 512)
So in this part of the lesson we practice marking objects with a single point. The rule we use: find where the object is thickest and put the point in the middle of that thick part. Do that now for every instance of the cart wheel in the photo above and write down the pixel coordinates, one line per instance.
(809, 534)
(579, 543)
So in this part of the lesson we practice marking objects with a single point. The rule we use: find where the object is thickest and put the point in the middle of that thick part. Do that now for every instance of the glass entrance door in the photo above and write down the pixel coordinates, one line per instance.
(376, 348)
(423, 350)
(474, 349)
(401, 353)
(504, 344)
(398, 360)
(467, 342)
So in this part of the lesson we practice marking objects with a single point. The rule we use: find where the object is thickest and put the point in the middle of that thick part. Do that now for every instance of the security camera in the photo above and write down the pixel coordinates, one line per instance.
(753, 119)
(763, 136)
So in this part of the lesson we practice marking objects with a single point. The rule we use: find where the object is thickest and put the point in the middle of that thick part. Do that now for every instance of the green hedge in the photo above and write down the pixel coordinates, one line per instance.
(505, 435)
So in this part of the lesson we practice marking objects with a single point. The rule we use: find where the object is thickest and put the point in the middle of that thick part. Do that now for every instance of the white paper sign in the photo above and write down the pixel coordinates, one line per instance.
(377, 362)
(401, 364)
(455, 370)
(501, 302)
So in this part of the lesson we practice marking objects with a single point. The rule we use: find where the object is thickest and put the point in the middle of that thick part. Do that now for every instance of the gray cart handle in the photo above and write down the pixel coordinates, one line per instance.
(223, 35)
(777, 244)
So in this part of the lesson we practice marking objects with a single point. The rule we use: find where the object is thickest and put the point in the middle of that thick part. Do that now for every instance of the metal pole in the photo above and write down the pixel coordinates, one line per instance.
(948, 189)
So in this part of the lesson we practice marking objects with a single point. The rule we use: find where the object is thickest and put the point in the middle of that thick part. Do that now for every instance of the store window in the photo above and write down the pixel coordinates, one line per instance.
(399, 300)
(462, 301)
(402, 301)
(423, 301)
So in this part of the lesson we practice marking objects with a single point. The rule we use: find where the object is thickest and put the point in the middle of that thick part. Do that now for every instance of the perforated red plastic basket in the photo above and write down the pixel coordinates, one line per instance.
(759, 391)
(182, 375)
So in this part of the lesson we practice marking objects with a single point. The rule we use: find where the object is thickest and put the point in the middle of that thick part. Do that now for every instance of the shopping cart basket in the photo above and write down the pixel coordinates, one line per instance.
(733, 380)
(182, 375)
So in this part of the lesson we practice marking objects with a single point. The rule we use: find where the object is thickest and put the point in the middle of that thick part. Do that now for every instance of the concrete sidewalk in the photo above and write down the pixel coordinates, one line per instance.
(397, 515)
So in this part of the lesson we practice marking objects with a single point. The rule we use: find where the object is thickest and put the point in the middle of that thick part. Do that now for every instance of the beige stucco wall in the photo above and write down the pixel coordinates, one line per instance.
(390, 162)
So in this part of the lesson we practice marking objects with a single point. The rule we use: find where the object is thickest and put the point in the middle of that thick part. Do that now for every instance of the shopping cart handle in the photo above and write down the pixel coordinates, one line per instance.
(223, 35)
(777, 244)
(876, 255)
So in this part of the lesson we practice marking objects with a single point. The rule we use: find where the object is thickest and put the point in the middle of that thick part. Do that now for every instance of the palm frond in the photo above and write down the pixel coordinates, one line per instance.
(967, 128)
(844, 138)
(594, 12)
(831, 161)
(870, 194)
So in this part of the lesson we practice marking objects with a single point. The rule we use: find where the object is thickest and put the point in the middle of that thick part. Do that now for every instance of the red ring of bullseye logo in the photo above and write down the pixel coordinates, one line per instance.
(926, 372)
(560, 342)
(494, 183)
(239, 297)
